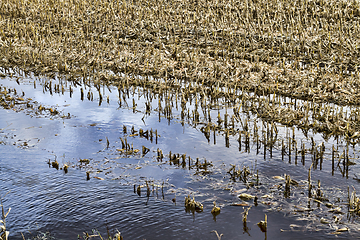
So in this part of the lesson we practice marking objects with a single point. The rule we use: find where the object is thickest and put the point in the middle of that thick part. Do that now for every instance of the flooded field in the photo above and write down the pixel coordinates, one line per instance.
(114, 164)
(179, 119)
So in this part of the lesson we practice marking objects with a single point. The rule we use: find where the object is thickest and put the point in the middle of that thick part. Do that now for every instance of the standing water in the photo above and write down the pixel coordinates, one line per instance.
(79, 159)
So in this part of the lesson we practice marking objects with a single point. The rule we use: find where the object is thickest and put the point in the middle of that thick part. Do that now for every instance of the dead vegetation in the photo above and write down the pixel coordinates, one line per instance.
(4, 233)
(304, 49)
(219, 49)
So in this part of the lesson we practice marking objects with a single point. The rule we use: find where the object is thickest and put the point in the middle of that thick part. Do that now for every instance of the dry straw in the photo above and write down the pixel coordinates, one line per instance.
(3, 231)
(199, 50)
(306, 49)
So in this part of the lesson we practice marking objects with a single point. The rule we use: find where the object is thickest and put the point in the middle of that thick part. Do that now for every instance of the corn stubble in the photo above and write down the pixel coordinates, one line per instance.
(283, 62)
(288, 46)
(300, 49)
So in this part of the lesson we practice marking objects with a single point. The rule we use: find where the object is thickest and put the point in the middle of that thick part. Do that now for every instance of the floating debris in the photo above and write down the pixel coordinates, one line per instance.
(85, 160)
(246, 196)
(9, 99)
(217, 234)
(99, 178)
(118, 236)
(324, 221)
(215, 210)
(278, 178)
(192, 205)
(240, 204)
(245, 214)
(55, 164)
(263, 224)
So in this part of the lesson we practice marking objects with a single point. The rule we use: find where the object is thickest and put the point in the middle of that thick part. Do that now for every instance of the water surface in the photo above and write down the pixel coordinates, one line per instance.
(43, 198)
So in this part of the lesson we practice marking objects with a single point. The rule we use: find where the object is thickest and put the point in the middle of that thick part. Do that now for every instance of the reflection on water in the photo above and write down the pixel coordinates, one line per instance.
(106, 132)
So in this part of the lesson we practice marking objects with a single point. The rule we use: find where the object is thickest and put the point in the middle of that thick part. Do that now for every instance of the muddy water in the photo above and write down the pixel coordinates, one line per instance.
(87, 135)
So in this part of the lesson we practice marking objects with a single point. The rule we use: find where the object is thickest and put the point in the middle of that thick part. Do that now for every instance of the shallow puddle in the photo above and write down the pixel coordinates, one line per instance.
(81, 158)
